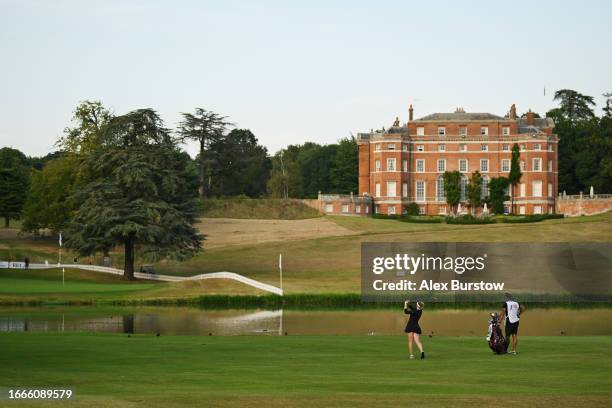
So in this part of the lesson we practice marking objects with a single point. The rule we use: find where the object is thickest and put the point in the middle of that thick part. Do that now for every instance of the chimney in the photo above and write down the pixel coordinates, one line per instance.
(512, 113)
(410, 113)
(530, 120)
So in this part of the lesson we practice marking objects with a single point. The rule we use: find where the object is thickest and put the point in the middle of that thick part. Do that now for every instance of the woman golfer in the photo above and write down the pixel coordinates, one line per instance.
(412, 328)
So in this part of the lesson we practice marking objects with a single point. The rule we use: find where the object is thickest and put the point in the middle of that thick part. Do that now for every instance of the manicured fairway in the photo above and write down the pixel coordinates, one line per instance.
(172, 371)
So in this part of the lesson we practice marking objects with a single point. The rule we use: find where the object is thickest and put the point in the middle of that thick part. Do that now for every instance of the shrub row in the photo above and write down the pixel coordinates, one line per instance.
(469, 219)
(421, 219)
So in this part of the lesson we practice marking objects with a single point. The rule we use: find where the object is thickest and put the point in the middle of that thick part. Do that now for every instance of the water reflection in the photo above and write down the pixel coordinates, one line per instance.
(194, 321)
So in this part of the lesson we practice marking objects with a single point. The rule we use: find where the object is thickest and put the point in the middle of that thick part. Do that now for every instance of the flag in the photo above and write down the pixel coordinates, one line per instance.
(60, 239)
(280, 261)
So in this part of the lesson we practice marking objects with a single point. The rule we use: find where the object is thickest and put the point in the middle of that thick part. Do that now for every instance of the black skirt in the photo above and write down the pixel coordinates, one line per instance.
(413, 328)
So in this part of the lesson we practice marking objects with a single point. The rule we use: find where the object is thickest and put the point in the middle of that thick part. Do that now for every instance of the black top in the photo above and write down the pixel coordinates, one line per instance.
(413, 322)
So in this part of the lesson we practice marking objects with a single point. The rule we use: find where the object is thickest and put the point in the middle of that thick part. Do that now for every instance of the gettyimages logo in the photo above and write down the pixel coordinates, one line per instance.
(412, 264)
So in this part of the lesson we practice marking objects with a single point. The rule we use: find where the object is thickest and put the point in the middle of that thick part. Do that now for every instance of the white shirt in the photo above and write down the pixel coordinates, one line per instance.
(512, 311)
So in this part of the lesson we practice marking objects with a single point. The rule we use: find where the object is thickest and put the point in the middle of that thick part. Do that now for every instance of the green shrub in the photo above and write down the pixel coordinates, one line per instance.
(413, 209)
(529, 218)
(384, 216)
(470, 219)
(421, 219)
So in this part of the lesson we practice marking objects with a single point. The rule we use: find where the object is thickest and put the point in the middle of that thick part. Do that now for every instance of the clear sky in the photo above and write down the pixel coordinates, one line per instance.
(293, 71)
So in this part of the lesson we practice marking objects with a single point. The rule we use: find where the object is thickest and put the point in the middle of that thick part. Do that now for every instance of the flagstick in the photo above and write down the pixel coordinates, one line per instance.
(280, 269)
(63, 279)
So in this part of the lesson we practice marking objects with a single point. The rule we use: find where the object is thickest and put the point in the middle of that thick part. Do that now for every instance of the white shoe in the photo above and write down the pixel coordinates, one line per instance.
(412, 356)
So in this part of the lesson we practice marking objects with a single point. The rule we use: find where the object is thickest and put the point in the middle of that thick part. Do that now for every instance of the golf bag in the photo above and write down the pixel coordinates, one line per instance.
(496, 339)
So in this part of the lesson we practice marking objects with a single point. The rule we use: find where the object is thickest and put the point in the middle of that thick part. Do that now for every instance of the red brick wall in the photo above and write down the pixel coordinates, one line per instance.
(585, 206)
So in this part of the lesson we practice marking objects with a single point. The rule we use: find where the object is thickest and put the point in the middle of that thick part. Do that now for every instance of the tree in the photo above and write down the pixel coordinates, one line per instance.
(346, 166)
(608, 108)
(316, 164)
(241, 165)
(49, 204)
(574, 105)
(89, 117)
(452, 188)
(498, 187)
(514, 177)
(474, 191)
(285, 178)
(14, 183)
(206, 128)
(140, 193)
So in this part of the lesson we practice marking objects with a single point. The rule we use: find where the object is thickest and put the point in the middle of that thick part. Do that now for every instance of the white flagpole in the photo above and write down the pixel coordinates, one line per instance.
(59, 262)
(280, 269)
(63, 279)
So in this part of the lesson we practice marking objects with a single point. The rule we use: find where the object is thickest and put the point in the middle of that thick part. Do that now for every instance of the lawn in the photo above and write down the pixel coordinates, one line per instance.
(174, 371)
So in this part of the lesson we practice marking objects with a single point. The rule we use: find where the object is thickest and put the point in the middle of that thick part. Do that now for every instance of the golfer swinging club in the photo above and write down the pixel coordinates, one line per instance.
(511, 310)
(412, 328)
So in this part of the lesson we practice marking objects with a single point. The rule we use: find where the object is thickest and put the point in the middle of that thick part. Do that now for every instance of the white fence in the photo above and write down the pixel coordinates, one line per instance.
(151, 276)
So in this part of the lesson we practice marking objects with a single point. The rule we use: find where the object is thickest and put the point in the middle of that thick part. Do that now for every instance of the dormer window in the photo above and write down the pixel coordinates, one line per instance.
(484, 130)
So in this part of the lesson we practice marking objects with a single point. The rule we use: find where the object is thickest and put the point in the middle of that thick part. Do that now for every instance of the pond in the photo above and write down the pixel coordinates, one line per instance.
(195, 321)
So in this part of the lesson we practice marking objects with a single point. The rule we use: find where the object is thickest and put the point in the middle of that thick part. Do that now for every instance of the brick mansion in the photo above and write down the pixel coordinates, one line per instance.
(405, 163)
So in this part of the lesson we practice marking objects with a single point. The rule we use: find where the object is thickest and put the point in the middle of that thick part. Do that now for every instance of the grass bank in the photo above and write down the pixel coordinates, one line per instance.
(260, 208)
(294, 371)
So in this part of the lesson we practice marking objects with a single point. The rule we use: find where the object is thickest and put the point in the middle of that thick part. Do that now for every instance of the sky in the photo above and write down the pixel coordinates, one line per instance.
(293, 71)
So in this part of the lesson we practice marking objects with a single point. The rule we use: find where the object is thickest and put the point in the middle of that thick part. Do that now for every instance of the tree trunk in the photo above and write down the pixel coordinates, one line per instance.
(512, 200)
(128, 271)
(7, 222)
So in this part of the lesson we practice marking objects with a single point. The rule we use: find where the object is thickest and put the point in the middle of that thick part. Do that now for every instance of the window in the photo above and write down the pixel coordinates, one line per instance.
(420, 191)
(367, 209)
(441, 209)
(505, 165)
(422, 210)
(484, 130)
(522, 165)
(505, 147)
(404, 166)
(391, 147)
(441, 131)
(377, 209)
(506, 209)
(484, 187)
(391, 210)
(420, 148)
(463, 188)
(405, 147)
(377, 190)
(441, 148)
(463, 148)
(536, 164)
(391, 189)
(536, 188)
(522, 190)
(463, 131)
(420, 165)
(404, 189)
(329, 208)
(537, 209)
(441, 166)
(377, 165)
(522, 148)
(484, 148)
(550, 147)
(537, 146)
(345, 208)
(357, 209)
(377, 146)
(522, 210)
(550, 168)
(463, 165)
(390, 164)
(420, 131)
(550, 190)
(506, 130)
(440, 193)
(484, 166)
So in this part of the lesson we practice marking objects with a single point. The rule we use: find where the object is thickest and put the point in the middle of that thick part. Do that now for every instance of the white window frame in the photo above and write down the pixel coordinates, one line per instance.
(391, 188)
(537, 209)
(484, 131)
(377, 190)
(522, 190)
(536, 188)
(345, 209)
(377, 165)
(329, 208)
(440, 192)
(377, 147)
(441, 147)
(422, 166)
(537, 146)
(391, 164)
(391, 210)
(506, 130)
(484, 165)
(420, 131)
(506, 147)
(463, 131)
(550, 190)
(522, 210)
(404, 189)
(484, 147)
(538, 166)
(391, 146)
(442, 209)
(358, 209)
(505, 165)
(522, 165)
(463, 147)
(441, 131)
(442, 168)
(420, 197)
(405, 166)
(420, 148)
(550, 166)
(466, 168)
